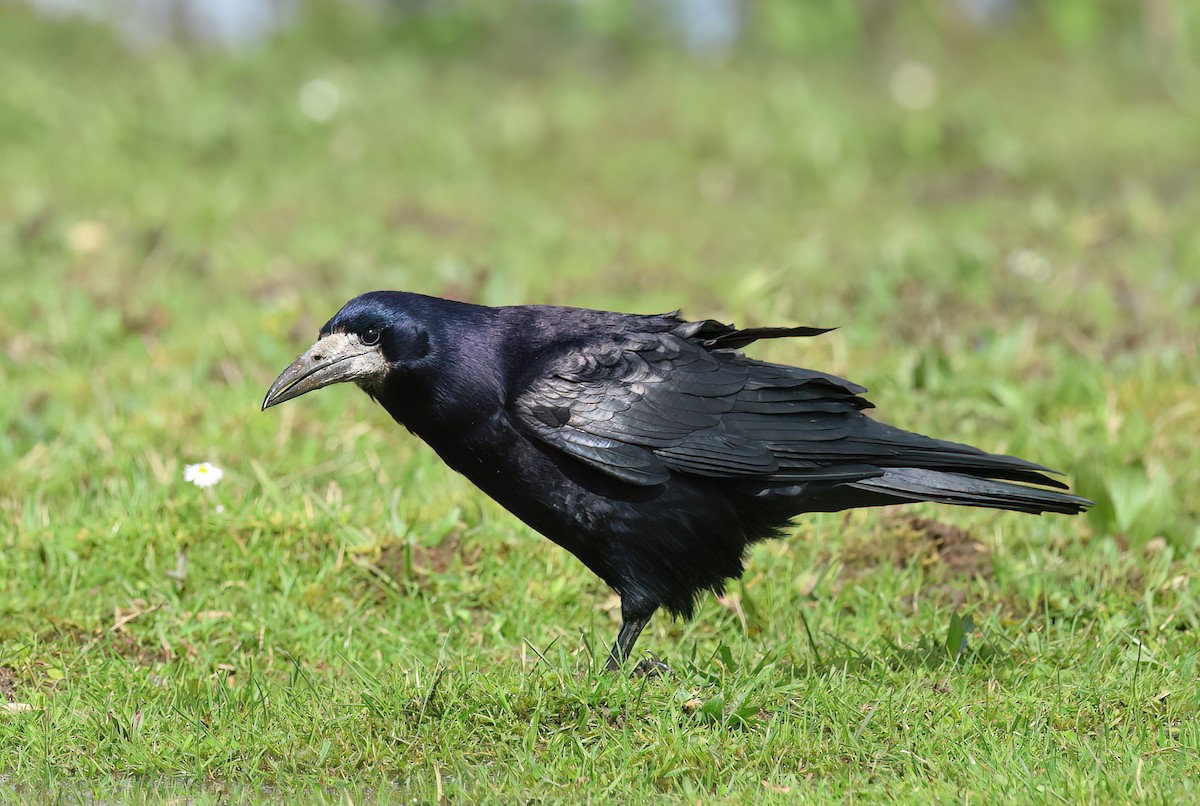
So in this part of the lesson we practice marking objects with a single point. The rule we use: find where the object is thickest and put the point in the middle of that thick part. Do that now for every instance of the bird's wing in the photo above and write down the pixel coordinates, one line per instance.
(638, 406)
(813, 424)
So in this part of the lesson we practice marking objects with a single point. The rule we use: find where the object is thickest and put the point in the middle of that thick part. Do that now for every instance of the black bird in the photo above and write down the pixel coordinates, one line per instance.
(649, 447)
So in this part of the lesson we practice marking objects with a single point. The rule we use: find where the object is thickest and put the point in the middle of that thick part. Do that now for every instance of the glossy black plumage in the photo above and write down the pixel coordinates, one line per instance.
(649, 447)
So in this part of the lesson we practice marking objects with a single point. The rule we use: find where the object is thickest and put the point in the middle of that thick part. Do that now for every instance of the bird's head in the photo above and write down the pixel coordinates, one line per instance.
(370, 338)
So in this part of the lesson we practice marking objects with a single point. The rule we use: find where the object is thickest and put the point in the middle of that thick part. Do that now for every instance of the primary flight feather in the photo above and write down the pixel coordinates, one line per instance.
(650, 447)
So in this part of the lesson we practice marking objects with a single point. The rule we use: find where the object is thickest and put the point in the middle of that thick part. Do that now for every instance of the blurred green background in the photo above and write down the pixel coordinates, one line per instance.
(995, 201)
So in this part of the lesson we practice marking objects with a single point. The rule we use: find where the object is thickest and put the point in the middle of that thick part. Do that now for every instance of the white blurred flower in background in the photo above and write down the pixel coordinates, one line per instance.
(1029, 264)
(320, 99)
(87, 237)
(203, 474)
(913, 85)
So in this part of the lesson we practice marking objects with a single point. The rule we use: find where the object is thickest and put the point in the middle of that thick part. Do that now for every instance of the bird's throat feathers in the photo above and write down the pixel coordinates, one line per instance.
(455, 400)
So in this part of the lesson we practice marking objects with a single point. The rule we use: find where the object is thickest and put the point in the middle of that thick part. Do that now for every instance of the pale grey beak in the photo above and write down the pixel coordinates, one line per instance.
(335, 358)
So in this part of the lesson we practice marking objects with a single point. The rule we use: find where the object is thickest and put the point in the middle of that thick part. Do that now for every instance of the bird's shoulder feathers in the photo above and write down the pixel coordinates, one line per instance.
(639, 405)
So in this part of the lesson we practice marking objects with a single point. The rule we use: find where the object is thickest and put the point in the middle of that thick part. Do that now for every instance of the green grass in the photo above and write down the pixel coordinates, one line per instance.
(1016, 266)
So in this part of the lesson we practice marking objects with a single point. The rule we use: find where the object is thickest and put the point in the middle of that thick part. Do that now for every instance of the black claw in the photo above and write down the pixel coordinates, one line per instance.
(651, 667)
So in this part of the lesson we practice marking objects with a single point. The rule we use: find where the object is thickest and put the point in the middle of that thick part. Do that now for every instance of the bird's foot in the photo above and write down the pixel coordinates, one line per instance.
(650, 667)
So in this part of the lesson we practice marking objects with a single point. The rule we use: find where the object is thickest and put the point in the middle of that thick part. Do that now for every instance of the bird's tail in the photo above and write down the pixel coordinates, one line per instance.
(914, 484)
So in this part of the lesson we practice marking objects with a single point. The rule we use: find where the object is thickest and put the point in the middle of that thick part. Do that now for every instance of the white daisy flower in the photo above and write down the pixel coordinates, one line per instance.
(203, 474)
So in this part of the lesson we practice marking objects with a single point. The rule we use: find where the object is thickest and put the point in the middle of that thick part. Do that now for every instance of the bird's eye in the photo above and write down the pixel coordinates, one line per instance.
(370, 336)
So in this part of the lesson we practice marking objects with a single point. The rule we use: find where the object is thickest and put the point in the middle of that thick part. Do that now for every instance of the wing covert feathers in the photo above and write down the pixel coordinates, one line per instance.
(639, 406)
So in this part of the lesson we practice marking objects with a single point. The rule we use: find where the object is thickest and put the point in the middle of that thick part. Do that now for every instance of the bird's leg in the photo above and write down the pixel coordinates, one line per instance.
(631, 628)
